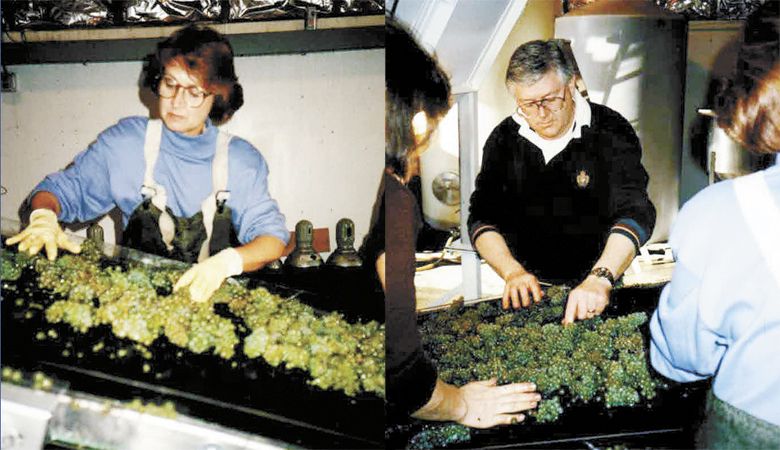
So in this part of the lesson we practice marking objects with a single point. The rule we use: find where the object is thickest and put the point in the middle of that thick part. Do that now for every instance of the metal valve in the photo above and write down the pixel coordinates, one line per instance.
(345, 254)
(304, 256)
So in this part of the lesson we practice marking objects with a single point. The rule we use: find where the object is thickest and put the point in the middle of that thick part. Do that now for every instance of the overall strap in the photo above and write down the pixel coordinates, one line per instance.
(763, 218)
(152, 190)
(219, 194)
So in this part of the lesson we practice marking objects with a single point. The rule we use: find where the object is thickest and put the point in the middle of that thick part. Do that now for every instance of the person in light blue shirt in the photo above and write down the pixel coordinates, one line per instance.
(186, 189)
(720, 315)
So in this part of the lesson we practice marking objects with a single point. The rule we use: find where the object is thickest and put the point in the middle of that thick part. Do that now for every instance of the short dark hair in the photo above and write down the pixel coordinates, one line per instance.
(414, 82)
(748, 107)
(532, 60)
(208, 55)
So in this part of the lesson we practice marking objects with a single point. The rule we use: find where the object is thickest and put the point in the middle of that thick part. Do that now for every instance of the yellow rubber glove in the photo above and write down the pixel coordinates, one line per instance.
(43, 232)
(206, 277)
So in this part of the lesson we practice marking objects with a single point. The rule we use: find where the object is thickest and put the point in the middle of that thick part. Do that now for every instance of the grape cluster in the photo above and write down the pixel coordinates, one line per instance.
(137, 304)
(10, 270)
(438, 436)
(166, 409)
(598, 360)
(38, 381)
(337, 354)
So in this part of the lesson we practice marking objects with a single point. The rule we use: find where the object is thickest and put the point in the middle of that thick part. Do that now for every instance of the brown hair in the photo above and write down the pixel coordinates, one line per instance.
(206, 54)
(749, 107)
(414, 82)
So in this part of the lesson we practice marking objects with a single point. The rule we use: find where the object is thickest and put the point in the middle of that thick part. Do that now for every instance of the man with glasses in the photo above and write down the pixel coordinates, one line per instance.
(562, 194)
(186, 189)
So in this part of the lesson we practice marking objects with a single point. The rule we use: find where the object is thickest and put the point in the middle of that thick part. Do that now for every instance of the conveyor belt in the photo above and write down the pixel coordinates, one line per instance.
(668, 421)
(246, 394)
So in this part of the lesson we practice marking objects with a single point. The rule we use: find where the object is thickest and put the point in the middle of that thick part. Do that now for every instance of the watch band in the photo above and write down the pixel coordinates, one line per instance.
(603, 272)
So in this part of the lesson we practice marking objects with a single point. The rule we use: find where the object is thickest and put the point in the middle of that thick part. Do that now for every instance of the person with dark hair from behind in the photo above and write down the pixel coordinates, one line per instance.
(186, 189)
(417, 96)
(720, 315)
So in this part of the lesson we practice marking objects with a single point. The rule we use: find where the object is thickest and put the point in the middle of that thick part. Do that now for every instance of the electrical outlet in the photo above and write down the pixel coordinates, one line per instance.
(9, 82)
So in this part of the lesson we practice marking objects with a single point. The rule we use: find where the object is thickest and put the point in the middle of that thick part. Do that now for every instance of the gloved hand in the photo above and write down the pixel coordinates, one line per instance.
(206, 277)
(43, 231)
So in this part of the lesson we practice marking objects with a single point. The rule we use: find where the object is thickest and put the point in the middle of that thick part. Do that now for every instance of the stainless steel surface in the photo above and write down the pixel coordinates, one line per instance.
(79, 419)
(25, 417)
(274, 265)
(633, 61)
(469, 166)
(446, 188)
(439, 168)
(725, 157)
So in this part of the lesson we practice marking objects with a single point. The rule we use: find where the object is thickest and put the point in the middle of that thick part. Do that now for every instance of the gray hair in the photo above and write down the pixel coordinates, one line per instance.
(532, 60)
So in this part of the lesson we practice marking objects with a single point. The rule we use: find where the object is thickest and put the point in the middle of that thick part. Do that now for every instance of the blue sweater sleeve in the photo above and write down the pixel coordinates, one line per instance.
(684, 345)
(84, 189)
(255, 212)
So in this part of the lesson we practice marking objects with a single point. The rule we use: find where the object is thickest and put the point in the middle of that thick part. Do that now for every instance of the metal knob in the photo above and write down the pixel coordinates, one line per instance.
(446, 188)
(345, 254)
(95, 233)
(274, 265)
(304, 256)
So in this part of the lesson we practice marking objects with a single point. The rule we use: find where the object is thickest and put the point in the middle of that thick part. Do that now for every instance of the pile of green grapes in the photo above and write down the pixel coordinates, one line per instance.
(599, 361)
(138, 304)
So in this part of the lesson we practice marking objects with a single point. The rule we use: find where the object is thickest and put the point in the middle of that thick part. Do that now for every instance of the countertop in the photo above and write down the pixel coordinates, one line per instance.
(439, 287)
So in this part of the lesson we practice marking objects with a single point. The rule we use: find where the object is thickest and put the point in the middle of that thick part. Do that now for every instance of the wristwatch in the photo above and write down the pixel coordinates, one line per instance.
(603, 272)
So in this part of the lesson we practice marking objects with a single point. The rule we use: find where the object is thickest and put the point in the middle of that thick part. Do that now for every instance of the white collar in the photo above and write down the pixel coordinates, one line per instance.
(551, 147)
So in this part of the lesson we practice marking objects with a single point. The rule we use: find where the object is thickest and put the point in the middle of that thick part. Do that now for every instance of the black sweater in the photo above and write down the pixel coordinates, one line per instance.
(411, 376)
(556, 217)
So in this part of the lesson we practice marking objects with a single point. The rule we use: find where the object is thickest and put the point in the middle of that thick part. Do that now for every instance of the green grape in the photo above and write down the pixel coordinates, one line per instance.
(549, 410)
(438, 436)
(596, 361)
(10, 270)
(618, 395)
(137, 304)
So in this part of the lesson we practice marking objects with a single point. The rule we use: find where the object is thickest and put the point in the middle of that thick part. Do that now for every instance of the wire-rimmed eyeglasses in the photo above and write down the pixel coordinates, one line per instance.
(550, 104)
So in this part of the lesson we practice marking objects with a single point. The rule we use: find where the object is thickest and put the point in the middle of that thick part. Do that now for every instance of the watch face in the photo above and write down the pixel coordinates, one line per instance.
(603, 272)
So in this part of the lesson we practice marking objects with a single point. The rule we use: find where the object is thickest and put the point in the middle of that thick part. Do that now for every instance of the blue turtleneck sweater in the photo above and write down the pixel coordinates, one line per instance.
(110, 173)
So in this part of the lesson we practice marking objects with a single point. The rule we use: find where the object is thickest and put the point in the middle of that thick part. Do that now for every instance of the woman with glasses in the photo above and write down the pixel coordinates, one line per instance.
(186, 189)
(562, 194)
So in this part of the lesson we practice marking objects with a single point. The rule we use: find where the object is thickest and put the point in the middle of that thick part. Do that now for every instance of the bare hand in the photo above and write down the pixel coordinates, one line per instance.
(488, 405)
(520, 287)
(587, 300)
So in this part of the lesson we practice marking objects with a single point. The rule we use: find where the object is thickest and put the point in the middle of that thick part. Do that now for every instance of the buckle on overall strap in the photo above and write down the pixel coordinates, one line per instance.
(221, 197)
(148, 191)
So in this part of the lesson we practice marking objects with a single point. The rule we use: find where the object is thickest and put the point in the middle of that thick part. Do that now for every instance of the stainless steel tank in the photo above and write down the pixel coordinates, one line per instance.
(631, 55)
(727, 159)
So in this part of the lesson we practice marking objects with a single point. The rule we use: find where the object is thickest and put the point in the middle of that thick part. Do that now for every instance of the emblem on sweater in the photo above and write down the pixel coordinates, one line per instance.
(583, 179)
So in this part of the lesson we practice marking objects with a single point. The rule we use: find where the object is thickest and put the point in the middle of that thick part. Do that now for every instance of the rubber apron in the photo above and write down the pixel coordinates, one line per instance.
(153, 228)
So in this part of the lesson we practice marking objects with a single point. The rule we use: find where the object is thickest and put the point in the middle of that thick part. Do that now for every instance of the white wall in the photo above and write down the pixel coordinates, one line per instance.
(495, 102)
(318, 119)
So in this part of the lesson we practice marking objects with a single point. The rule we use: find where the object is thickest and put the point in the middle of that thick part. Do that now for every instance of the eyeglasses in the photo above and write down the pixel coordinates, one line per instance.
(193, 95)
(550, 104)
